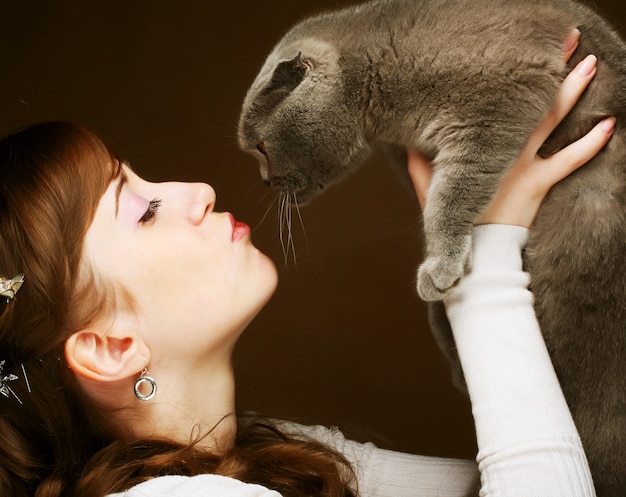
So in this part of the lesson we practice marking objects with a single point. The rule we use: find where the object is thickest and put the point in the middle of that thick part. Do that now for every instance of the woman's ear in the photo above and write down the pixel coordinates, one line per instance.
(105, 358)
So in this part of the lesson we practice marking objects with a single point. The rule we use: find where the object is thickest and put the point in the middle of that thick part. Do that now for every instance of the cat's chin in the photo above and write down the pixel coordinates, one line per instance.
(295, 198)
(292, 190)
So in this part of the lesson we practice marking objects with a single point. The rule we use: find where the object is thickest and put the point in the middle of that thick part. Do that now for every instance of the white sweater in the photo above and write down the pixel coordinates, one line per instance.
(528, 444)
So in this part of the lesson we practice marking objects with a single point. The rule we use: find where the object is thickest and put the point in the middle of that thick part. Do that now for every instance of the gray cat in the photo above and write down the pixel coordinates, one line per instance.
(466, 82)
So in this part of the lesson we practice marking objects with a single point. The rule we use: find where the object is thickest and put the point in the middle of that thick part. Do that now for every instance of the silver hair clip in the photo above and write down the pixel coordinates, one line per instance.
(5, 389)
(9, 287)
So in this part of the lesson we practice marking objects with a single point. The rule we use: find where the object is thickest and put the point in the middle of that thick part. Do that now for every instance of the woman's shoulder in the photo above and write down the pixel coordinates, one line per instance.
(195, 486)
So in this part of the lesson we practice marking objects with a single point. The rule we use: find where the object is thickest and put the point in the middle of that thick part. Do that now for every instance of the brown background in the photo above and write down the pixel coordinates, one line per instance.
(345, 340)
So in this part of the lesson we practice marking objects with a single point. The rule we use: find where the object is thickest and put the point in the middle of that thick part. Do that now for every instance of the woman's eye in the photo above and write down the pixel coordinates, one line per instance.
(153, 207)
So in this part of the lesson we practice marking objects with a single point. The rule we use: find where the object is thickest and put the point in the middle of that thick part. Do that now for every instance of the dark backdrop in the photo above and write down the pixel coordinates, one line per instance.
(344, 341)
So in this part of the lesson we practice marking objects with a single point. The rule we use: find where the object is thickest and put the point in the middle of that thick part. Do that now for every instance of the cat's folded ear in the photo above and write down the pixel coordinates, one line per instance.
(288, 74)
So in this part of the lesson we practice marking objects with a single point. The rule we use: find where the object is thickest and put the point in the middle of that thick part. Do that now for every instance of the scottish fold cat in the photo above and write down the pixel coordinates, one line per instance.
(466, 82)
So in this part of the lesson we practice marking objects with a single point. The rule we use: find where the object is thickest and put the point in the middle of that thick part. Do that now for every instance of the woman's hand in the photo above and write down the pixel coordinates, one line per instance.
(525, 185)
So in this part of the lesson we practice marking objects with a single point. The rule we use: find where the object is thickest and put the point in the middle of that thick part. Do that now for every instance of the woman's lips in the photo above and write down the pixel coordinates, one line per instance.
(240, 230)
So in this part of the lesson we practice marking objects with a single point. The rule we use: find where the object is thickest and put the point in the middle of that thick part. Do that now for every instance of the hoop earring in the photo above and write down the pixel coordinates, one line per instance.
(145, 378)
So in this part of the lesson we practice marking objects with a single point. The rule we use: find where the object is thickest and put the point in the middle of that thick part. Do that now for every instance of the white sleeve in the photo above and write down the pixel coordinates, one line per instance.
(385, 473)
(528, 444)
(196, 486)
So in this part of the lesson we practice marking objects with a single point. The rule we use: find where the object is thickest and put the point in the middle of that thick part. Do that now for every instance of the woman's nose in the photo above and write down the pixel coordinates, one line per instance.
(201, 201)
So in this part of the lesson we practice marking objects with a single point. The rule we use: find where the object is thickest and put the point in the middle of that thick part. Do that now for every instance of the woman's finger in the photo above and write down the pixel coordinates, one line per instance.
(569, 92)
(420, 171)
(570, 44)
(578, 153)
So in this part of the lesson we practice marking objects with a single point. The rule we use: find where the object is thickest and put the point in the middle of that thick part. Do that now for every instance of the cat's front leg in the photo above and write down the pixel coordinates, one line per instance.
(459, 191)
(441, 270)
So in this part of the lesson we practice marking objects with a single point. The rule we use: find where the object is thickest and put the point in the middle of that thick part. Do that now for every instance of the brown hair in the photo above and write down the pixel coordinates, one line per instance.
(54, 441)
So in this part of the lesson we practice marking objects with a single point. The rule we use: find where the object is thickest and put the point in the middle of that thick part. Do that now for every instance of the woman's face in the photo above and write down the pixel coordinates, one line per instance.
(193, 273)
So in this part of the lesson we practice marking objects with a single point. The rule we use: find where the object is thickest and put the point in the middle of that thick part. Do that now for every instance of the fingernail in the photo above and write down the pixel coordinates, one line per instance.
(608, 124)
(587, 65)
(572, 40)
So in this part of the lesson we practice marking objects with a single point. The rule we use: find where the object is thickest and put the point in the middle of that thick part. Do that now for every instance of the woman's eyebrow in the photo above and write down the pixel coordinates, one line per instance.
(118, 190)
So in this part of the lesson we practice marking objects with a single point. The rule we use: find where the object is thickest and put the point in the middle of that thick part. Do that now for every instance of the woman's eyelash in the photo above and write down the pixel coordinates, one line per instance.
(153, 207)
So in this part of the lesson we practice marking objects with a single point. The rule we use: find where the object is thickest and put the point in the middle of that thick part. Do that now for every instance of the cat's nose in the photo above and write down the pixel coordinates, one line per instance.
(265, 174)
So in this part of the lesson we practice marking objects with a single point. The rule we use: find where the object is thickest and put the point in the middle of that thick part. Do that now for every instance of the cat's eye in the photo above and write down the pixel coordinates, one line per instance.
(260, 147)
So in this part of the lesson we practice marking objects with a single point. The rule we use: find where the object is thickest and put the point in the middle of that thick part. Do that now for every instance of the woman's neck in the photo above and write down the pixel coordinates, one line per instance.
(191, 406)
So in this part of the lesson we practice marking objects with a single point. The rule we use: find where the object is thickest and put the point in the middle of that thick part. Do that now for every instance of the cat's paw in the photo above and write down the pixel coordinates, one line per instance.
(437, 275)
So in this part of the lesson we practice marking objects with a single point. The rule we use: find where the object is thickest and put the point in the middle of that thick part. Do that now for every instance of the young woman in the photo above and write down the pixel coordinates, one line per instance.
(125, 298)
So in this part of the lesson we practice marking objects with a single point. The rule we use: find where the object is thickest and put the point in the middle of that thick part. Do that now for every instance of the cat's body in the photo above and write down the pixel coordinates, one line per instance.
(466, 82)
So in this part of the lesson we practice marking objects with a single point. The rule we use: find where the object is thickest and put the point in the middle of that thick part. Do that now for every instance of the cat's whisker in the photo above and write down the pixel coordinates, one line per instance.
(267, 211)
(284, 200)
(285, 226)
(287, 239)
(290, 239)
(295, 201)
(247, 192)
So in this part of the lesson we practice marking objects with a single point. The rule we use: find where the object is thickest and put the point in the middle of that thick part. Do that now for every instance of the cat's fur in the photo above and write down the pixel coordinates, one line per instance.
(466, 82)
